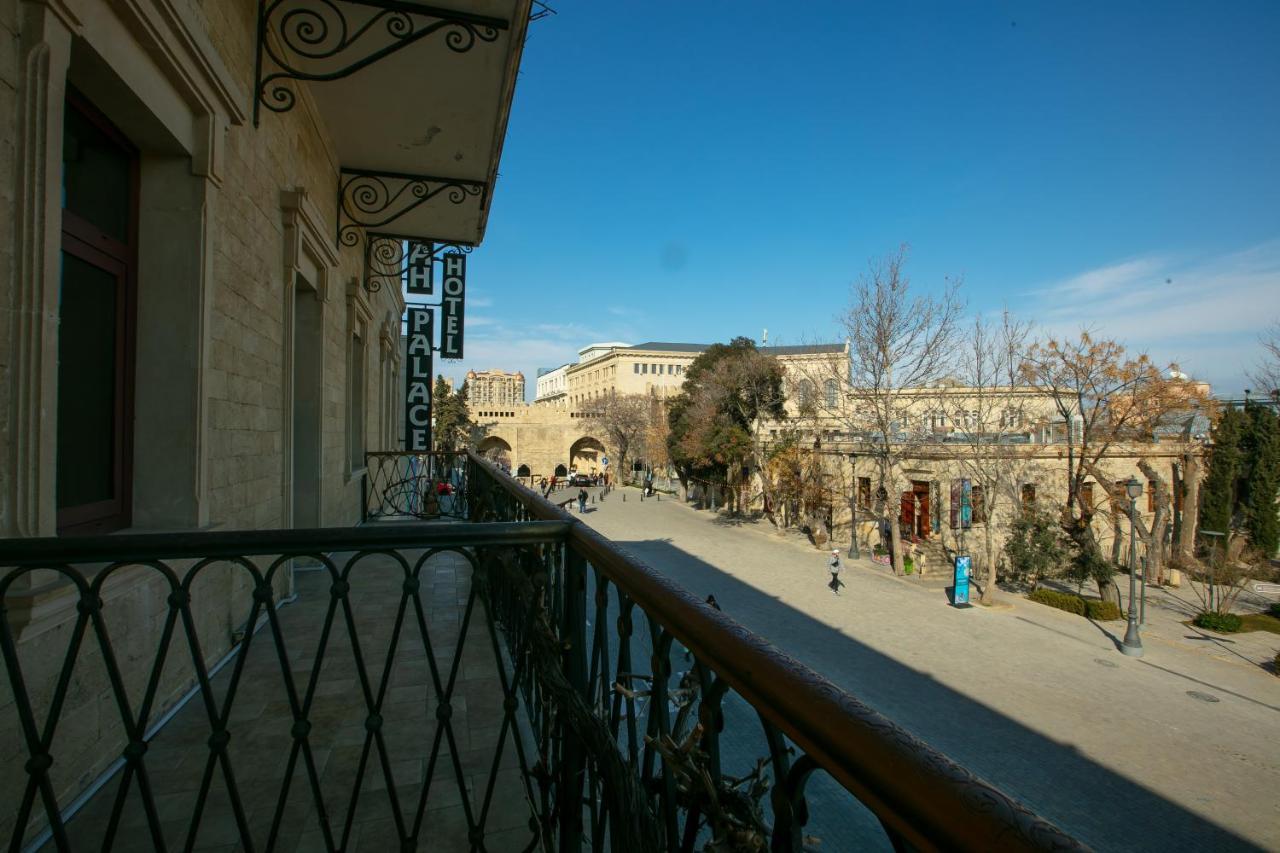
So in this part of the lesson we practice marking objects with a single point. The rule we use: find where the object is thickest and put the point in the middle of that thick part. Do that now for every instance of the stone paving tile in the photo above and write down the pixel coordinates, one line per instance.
(261, 722)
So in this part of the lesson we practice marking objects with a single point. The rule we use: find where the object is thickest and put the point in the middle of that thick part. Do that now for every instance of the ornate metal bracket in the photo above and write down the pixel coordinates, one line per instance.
(329, 39)
(386, 260)
(372, 200)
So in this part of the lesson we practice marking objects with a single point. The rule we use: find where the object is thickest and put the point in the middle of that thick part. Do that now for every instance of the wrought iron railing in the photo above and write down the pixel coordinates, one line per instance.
(271, 783)
(658, 693)
(638, 717)
(415, 485)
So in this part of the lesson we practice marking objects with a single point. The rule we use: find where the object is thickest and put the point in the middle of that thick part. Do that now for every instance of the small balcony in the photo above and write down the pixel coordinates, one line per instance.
(471, 669)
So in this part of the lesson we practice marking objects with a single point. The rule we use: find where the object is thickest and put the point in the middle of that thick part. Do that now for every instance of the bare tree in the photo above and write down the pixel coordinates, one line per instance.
(1103, 398)
(656, 432)
(991, 408)
(1266, 375)
(625, 420)
(898, 340)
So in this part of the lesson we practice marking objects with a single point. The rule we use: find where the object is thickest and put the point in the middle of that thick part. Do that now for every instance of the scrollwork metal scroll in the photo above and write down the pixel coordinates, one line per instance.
(372, 200)
(331, 39)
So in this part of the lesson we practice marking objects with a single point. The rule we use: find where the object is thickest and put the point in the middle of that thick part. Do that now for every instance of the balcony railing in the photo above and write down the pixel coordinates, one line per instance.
(638, 717)
(415, 485)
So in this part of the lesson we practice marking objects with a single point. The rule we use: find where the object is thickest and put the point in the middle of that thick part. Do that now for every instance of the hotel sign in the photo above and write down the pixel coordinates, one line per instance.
(417, 270)
(417, 387)
(453, 301)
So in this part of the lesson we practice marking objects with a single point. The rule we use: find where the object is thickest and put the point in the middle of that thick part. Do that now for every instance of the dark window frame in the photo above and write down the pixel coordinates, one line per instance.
(87, 242)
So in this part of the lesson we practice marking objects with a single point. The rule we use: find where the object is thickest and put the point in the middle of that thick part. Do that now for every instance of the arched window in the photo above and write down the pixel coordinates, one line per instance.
(830, 389)
(804, 394)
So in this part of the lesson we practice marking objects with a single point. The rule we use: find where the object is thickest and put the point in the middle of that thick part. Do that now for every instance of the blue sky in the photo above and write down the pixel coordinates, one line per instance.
(691, 171)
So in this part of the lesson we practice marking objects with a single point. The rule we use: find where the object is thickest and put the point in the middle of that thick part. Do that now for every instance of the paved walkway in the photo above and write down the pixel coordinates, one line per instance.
(1177, 750)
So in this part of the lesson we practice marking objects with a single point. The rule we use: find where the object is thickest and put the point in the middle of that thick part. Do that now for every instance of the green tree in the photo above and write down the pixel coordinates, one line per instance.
(1035, 547)
(453, 420)
(1261, 447)
(714, 421)
(1219, 491)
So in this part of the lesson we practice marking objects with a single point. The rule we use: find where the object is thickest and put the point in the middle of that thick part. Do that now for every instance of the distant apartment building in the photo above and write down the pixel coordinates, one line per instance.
(495, 388)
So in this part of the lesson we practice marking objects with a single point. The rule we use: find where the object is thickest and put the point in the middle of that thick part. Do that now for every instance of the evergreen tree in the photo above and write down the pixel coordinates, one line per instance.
(1262, 479)
(1218, 492)
(453, 420)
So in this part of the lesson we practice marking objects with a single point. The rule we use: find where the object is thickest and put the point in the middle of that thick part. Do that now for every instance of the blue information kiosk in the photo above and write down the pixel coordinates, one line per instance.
(960, 583)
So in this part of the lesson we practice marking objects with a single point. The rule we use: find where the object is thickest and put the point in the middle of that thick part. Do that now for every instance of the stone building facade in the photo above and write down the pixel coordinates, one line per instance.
(191, 339)
(552, 387)
(657, 368)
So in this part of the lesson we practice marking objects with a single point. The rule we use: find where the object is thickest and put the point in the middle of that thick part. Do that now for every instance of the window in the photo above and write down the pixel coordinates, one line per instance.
(96, 325)
(805, 393)
(962, 514)
(1028, 494)
(831, 393)
(644, 368)
(1086, 495)
(937, 421)
(864, 492)
(1151, 495)
(979, 501)
(355, 402)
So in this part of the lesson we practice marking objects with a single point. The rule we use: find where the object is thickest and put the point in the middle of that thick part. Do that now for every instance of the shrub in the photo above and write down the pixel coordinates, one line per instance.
(1102, 611)
(1223, 623)
(1061, 600)
(907, 565)
(1035, 547)
(1275, 609)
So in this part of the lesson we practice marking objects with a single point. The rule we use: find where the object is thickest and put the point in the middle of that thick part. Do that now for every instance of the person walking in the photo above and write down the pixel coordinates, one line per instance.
(833, 566)
(582, 500)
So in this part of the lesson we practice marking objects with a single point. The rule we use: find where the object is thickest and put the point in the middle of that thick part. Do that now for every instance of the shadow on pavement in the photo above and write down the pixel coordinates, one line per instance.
(1093, 803)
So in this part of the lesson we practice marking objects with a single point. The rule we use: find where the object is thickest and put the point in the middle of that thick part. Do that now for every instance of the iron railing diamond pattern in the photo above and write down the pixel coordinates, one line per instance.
(416, 485)
(373, 659)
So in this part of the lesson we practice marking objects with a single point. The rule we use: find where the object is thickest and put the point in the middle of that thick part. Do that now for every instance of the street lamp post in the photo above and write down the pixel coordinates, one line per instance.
(1132, 645)
(853, 507)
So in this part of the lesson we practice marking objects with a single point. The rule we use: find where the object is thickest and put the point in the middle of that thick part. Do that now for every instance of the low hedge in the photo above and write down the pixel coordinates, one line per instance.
(1102, 611)
(1061, 600)
(1222, 623)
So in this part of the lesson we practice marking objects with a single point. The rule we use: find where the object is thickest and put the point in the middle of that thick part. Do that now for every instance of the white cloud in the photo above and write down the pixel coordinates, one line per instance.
(1204, 313)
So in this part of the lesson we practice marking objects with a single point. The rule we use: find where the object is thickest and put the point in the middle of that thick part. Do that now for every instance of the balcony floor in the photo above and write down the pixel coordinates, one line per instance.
(261, 722)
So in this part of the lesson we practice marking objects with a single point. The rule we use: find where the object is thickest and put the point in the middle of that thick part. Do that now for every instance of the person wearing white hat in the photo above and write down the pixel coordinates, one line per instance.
(834, 567)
